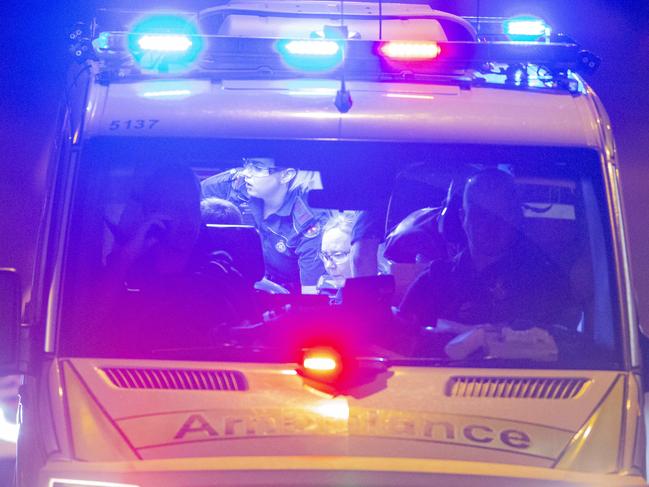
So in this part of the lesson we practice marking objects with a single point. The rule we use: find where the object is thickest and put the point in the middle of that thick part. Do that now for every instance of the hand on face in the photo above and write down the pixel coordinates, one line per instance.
(143, 236)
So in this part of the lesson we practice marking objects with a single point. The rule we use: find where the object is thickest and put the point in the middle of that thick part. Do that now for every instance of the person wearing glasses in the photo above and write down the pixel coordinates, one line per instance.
(335, 252)
(273, 199)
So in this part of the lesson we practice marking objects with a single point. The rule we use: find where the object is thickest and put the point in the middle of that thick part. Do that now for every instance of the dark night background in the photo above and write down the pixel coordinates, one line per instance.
(33, 58)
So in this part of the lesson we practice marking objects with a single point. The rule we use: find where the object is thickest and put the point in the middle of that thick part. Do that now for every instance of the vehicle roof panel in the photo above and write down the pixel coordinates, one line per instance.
(303, 109)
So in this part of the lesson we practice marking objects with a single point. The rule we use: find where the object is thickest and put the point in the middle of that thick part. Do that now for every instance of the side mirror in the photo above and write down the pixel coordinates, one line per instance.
(10, 318)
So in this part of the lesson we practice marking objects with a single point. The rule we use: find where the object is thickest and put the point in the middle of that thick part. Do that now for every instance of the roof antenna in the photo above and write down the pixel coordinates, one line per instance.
(478, 16)
(380, 20)
(343, 96)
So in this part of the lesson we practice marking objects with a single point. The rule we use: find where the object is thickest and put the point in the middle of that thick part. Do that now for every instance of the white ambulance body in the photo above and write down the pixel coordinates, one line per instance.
(93, 416)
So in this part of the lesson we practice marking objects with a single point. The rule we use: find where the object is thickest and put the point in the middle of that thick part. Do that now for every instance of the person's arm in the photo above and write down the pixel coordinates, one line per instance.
(364, 257)
(219, 185)
(311, 267)
(428, 295)
(413, 307)
(368, 233)
(105, 303)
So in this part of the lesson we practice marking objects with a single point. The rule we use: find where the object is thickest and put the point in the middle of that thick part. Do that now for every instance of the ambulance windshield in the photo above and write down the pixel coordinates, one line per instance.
(254, 250)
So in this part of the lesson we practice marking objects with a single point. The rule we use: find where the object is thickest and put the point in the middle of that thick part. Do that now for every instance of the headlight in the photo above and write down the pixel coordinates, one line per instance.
(86, 483)
(8, 431)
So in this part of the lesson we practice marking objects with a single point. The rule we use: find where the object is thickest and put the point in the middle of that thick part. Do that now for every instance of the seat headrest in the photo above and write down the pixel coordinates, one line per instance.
(416, 238)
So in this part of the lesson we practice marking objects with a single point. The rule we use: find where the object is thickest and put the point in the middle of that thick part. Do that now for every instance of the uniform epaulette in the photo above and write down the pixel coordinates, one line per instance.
(302, 214)
(305, 220)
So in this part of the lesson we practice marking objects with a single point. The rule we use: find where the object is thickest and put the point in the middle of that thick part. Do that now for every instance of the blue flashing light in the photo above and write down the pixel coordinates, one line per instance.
(312, 48)
(165, 43)
(526, 28)
(312, 55)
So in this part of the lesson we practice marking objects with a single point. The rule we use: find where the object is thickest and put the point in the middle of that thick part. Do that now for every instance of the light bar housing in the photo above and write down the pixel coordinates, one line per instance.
(250, 56)
(410, 50)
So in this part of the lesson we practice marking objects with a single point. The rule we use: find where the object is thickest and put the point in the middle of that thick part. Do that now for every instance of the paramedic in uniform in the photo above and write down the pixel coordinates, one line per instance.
(498, 280)
(273, 199)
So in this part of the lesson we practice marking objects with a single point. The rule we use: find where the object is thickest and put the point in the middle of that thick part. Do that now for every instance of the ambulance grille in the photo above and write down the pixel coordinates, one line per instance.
(177, 379)
(516, 387)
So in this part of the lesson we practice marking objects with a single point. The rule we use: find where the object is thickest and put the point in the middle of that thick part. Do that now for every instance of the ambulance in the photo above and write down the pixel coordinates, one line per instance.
(392, 105)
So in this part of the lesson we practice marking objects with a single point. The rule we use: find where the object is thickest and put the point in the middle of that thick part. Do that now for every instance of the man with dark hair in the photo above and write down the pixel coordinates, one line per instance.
(500, 280)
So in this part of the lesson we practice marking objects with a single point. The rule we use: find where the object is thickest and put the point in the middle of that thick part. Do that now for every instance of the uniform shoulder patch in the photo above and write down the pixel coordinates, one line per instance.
(302, 214)
(313, 230)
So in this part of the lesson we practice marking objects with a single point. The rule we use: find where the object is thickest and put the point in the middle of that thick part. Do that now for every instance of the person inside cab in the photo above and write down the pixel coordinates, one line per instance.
(273, 199)
(162, 284)
(500, 283)
(366, 237)
(220, 212)
(335, 252)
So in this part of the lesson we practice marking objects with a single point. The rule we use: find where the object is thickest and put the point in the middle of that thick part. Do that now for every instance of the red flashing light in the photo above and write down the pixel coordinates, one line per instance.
(321, 361)
(320, 364)
(410, 50)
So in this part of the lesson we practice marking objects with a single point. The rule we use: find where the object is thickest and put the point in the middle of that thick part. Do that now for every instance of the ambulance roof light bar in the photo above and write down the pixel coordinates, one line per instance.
(410, 50)
(358, 56)
(169, 44)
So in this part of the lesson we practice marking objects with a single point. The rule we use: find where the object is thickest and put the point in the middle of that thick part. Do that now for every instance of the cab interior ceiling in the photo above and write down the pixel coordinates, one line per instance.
(355, 174)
